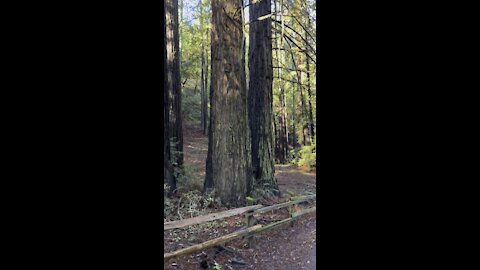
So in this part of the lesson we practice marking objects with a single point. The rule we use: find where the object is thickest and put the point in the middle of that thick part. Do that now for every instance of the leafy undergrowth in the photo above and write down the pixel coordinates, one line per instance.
(306, 157)
(188, 205)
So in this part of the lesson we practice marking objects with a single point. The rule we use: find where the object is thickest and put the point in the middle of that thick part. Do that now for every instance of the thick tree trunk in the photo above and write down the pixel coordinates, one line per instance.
(168, 175)
(230, 142)
(260, 95)
(174, 87)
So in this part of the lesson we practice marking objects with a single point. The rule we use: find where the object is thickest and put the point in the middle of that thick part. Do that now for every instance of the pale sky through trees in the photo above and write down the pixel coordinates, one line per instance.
(190, 6)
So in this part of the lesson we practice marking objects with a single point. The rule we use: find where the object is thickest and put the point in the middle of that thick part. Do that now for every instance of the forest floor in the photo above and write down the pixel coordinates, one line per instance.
(285, 247)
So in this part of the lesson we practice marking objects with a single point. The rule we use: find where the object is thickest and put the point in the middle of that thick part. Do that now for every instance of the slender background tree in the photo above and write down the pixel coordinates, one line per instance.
(173, 82)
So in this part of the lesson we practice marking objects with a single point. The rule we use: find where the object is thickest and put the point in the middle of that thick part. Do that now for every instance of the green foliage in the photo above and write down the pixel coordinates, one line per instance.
(217, 266)
(193, 203)
(293, 63)
(306, 156)
(190, 67)
(191, 106)
(167, 203)
(173, 150)
(263, 190)
(188, 178)
(194, 33)
(209, 199)
(189, 204)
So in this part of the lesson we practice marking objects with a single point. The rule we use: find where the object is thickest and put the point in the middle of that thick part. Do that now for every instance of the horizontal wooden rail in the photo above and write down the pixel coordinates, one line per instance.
(287, 220)
(210, 217)
(304, 197)
(275, 224)
(303, 212)
(273, 207)
(211, 243)
(298, 199)
(229, 237)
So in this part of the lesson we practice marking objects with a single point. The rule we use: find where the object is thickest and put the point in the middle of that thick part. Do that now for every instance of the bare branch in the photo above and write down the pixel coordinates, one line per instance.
(306, 42)
(260, 18)
(291, 40)
(287, 80)
(291, 69)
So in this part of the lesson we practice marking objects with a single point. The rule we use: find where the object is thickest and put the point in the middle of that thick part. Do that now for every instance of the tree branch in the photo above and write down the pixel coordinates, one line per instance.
(306, 42)
(260, 18)
(291, 69)
(288, 37)
(287, 80)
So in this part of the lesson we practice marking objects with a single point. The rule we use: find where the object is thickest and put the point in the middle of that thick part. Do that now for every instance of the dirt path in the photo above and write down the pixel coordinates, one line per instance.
(296, 180)
(284, 247)
(289, 177)
(195, 147)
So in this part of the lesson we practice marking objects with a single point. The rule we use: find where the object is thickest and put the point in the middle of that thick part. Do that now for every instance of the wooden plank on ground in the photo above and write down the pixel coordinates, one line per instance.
(210, 217)
(211, 243)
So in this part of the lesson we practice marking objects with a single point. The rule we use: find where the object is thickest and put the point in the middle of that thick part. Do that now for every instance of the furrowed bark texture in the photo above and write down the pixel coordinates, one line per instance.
(230, 146)
(260, 106)
(168, 176)
(173, 75)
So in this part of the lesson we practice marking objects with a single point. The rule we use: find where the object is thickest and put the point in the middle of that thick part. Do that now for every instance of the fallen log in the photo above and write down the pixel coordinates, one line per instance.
(210, 217)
